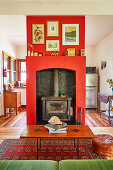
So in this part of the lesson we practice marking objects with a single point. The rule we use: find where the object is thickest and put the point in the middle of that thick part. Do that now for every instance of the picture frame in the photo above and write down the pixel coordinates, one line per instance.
(38, 33)
(52, 45)
(52, 28)
(70, 34)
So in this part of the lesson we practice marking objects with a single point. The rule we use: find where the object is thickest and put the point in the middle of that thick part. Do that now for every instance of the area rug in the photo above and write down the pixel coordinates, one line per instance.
(26, 149)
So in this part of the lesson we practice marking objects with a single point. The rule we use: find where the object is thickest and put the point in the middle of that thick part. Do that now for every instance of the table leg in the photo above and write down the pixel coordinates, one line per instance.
(77, 148)
(4, 111)
(109, 110)
(40, 143)
(74, 142)
(99, 106)
(37, 148)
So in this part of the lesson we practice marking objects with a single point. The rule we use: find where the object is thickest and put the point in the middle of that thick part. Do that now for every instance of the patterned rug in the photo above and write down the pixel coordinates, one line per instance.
(26, 149)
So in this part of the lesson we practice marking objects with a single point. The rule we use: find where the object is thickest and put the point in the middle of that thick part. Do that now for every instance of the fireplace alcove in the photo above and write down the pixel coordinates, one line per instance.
(38, 63)
(51, 84)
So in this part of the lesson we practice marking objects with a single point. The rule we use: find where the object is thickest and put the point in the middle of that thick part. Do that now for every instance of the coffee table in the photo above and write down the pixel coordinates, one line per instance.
(73, 132)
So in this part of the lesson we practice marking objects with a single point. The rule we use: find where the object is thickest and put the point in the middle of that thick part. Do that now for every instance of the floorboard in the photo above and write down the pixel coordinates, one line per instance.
(13, 125)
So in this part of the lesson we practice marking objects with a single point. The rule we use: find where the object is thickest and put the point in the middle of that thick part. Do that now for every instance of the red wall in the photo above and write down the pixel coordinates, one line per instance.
(76, 63)
(62, 20)
(36, 63)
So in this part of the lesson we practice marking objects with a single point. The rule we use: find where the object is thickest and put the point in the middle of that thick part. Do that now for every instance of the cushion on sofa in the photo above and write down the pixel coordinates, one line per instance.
(86, 165)
(28, 165)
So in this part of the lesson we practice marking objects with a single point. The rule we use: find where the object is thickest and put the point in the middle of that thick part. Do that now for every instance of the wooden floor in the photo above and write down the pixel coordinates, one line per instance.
(13, 125)
(92, 119)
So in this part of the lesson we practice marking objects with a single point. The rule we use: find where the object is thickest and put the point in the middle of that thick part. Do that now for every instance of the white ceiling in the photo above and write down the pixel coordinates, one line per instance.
(55, 7)
(13, 28)
(97, 28)
(57, 0)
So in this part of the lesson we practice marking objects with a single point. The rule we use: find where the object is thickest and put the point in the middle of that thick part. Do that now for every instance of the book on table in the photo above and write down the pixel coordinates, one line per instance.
(58, 131)
(56, 128)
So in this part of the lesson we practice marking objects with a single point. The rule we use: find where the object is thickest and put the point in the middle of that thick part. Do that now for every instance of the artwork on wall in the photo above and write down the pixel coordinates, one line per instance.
(70, 34)
(52, 45)
(38, 33)
(52, 28)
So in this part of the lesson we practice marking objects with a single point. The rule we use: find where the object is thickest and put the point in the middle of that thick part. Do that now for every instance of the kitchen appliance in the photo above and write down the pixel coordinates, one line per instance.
(90, 69)
(91, 90)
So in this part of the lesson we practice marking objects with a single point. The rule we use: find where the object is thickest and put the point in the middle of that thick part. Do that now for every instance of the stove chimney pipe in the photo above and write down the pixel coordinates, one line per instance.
(56, 83)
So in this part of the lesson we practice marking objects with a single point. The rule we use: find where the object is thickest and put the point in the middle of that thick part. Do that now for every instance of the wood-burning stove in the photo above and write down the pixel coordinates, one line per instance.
(56, 106)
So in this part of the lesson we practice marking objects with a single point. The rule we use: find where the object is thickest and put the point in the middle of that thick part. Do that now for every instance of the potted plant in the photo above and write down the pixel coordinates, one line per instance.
(110, 81)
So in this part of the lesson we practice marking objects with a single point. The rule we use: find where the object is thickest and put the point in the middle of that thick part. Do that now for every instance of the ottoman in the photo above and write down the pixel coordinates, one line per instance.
(103, 145)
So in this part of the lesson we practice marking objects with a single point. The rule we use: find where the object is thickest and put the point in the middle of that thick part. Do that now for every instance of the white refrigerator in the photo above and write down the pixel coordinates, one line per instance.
(91, 90)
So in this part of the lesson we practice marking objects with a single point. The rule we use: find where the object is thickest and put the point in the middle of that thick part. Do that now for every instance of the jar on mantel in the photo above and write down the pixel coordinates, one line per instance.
(35, 53)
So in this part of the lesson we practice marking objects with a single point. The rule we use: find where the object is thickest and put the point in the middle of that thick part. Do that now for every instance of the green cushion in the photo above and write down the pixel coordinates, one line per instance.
(28, 165)
(86, 165)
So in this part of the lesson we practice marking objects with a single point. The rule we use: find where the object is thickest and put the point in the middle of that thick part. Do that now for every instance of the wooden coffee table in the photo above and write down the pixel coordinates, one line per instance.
(73, 132)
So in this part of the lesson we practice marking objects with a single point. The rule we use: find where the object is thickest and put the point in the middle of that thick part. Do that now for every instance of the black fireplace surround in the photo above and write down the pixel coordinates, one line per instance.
(55, 95)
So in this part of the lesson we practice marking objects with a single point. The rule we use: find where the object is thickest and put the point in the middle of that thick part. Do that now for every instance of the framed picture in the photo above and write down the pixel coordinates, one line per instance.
(52, 28)
(70, 34)
(38, 33)
(52, 45)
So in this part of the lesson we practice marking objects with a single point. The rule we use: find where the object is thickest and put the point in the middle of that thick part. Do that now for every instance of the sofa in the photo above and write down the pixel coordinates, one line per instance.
(53, 165)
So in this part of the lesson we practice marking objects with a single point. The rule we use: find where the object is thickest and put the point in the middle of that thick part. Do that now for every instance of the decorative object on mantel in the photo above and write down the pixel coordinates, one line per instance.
(110, 81)
(31, 53)
(76, 53)
(52, 45)
(30, 49)
(70, 34)
(66, 53)
(55, 53)
(82, 52)
(35, 53)
(103, 64)
(38, 33)
(40, 54)
(71, 51)
(52, 28)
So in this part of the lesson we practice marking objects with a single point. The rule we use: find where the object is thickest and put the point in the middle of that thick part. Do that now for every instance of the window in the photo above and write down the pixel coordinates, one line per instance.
(13, 70)
(7, 69)
(23, 73)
